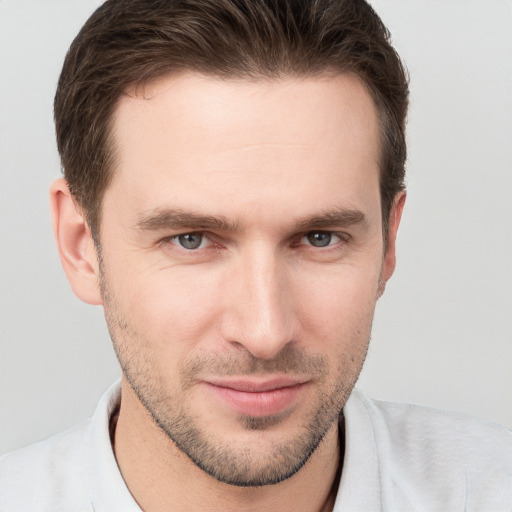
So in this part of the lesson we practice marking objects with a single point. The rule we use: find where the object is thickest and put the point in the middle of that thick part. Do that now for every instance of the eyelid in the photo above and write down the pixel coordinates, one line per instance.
(172, 238)
(343, 237)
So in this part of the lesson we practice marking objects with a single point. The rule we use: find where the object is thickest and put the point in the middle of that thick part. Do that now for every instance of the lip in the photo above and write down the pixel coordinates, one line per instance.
(258, 398)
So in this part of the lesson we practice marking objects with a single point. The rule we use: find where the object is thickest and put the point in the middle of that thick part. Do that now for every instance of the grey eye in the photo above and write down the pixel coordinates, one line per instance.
(319, 238)
(190, 240)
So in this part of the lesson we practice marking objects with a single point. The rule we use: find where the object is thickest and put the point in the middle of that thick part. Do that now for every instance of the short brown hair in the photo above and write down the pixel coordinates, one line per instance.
(126, 42)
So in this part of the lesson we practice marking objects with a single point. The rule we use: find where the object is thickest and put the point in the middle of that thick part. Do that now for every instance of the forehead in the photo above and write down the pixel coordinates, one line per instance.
(196, 139)
(295, 109)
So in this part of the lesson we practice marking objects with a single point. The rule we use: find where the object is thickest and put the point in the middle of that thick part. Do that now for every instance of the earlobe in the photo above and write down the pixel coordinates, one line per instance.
(75, 244)
(388, 264)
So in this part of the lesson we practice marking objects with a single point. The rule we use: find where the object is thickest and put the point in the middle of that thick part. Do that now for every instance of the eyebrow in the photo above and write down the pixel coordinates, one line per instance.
(179, 219)
(340, 217)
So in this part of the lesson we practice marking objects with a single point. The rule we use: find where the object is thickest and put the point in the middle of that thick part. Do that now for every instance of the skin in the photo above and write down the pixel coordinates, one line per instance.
(259, 172)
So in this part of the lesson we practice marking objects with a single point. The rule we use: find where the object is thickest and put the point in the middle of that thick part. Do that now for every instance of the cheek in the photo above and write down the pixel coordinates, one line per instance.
(170, 305)
(338, 305)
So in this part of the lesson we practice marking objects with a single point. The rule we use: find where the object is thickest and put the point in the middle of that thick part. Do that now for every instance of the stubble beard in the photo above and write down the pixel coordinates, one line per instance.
(242, 466)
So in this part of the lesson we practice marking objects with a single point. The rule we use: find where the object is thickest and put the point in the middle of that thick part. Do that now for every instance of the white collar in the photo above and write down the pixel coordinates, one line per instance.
(107, 489)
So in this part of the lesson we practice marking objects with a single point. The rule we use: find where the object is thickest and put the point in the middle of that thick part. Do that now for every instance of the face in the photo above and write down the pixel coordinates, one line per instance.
(241, 254)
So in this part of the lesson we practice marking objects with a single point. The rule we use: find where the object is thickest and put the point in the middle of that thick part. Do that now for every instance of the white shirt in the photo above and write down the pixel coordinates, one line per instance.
(397, 458)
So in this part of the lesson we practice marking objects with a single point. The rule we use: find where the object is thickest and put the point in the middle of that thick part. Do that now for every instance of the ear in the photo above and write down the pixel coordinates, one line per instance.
(75, 243)
(389, 262)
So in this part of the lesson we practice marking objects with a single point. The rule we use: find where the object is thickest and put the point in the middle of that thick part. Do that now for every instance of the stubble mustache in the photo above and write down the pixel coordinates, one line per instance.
(291, 360)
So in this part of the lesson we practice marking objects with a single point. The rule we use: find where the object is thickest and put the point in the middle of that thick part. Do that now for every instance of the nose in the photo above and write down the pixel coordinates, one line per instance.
(258, 307)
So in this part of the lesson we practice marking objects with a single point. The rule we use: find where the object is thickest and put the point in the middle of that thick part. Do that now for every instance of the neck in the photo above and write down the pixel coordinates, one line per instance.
(161, 477)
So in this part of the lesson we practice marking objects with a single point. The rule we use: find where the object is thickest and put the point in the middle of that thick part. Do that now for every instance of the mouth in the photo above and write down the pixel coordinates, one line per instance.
(258, 398)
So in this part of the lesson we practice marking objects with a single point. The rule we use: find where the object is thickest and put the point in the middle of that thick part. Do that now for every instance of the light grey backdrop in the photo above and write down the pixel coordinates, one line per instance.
(443, 330)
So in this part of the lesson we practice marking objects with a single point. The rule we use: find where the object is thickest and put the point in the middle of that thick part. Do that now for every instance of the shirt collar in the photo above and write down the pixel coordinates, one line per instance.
(359, 487)
(107, 489)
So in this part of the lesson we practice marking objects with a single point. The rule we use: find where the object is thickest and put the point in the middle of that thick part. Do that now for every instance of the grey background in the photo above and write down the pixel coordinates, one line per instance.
(443, 330)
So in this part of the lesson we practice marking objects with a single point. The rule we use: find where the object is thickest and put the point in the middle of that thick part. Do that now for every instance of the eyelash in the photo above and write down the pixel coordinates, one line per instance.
(342, 238)
(173, 240)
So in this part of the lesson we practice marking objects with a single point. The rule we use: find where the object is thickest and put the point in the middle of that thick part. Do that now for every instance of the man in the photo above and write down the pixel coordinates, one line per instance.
(232, 193)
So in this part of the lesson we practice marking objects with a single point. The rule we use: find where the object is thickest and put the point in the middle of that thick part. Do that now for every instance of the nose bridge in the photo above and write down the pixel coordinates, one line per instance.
(258, 310)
